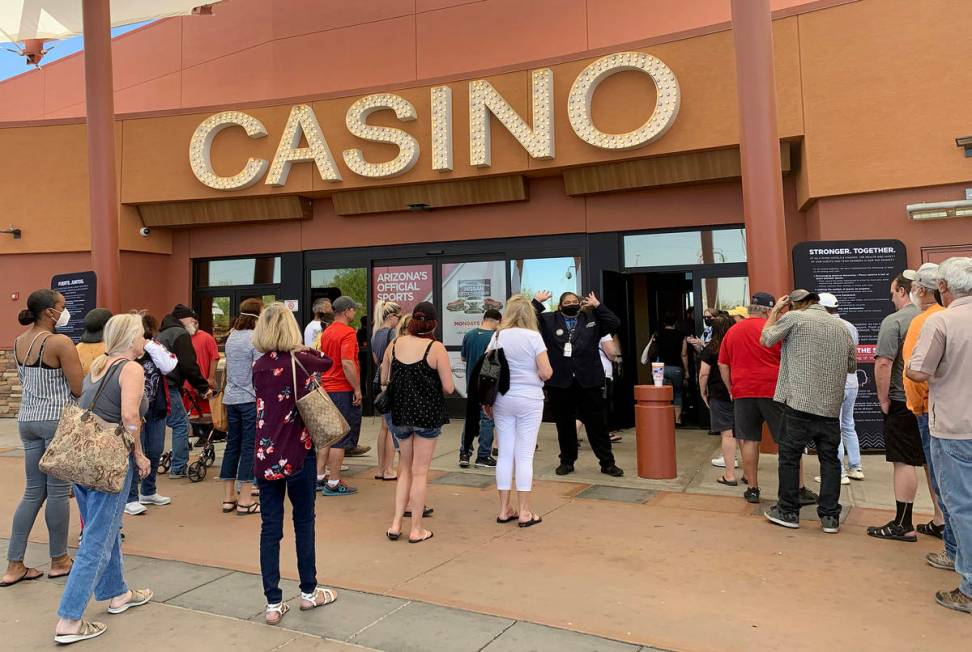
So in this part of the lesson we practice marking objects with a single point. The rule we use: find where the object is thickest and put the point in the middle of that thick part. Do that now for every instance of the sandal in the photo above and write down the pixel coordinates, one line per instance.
(232, 505)
(425, 538)
(85, 631)
(615, 438)
(139, 597)
(320, 597)
(428, 511)
(892, 532)
(254, 492)
(534, 520)
(384, 479)
(244, 510)
(728, 483)
(392, 536)
(931, 530)
(275, 612)
(54, 576)
(508, 519)
(26, 577)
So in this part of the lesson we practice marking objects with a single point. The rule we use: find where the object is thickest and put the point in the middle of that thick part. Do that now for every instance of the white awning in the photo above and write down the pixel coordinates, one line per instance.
(57, 19)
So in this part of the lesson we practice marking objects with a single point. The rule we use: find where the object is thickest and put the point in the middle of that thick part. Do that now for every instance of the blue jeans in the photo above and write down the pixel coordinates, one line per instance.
(98, 567)
(486, 427)
(848, 433)
(388, 422)
(240, 434)
(352, 413)
(404, 432)
(953, 466)
(178, 420)
(153, 440)
(301, 489)
(947, 535)
(673, 377)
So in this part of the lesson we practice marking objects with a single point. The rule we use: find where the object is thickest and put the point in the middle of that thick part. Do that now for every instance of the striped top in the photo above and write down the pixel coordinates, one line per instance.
(45, 389)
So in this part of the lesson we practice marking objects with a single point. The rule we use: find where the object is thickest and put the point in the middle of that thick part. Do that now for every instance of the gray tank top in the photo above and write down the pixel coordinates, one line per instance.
(108, 406)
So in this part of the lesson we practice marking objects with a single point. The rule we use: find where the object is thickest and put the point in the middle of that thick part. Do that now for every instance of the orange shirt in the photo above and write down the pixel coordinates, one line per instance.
(339, 342)
(916, 394)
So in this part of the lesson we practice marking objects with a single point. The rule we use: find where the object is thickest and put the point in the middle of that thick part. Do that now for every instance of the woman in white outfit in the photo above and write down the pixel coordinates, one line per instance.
(518, 412)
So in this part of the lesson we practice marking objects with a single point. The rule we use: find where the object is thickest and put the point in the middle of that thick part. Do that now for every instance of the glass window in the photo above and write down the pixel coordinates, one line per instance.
(559, 275)
(725, 292)
(468, 290)
(685, 248)
(348, 281)
(215, 317)
(240, 271)
(406, 285)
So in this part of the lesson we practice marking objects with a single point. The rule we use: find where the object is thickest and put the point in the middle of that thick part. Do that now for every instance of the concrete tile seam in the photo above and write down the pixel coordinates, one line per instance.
(198, 586)
(350, 639)
(493, 640)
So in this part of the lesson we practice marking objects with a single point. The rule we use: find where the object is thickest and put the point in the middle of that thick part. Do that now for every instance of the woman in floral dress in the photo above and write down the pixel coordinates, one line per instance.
(285, 461)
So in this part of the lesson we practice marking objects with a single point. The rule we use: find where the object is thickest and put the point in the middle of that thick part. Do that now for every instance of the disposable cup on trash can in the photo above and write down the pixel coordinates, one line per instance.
(658, 373)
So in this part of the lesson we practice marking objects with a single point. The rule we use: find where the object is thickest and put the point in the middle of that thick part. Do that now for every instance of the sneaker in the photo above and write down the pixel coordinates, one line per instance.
(154, 499)
(485, 463)
(564, 469)
(830, 524)
(954, 600)
(720, 462)
(340, 490)
(856, 474)
(177, 475)
(807, 497)
(752, 495)
(940, 560)
(463, 460)
(134, 508)
(612, 471)
(357, 451)
(843, 479)
(774, 515)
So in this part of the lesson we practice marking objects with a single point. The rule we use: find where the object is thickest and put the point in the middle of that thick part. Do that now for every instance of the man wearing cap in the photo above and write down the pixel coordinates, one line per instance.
(175, 335)
(323, 314)
(848, 432)
(942, 358)
(816, 357)
(92, 342)
(739, 313)
(902, 440)
(924, 294)
(750, 371)
(342, 382)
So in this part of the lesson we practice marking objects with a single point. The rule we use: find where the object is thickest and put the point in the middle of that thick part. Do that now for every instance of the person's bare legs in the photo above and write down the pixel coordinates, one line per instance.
(729, 454)
(938, 518)
(678, 415)
(404, 485)
(322, 461)
(335, 459)
(422, 451)
(60, 565)
(506, 504)
(386, 451)
(750, 461)
(16, 569)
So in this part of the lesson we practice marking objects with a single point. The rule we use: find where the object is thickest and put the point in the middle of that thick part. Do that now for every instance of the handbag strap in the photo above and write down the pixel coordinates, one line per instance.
(103, 382)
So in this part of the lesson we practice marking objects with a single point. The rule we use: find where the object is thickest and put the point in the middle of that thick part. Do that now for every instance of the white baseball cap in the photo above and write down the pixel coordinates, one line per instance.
(926, 276)
(827, 300)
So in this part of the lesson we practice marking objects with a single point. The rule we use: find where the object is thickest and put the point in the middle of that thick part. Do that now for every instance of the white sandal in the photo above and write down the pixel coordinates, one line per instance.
(85, 631)
(279, 609)
(312, 600)
(139, 597)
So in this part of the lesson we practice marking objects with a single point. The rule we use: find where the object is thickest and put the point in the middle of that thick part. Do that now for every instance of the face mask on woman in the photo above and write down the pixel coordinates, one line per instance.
(63, 318)
(571, 310)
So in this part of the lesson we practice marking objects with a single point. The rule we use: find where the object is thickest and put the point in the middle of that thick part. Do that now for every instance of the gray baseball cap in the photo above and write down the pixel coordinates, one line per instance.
(342, 304)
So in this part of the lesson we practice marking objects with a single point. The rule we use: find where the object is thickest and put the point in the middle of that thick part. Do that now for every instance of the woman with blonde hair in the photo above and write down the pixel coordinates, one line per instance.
(286, 462)
(519, 411)
(387, 315)
(114, 391)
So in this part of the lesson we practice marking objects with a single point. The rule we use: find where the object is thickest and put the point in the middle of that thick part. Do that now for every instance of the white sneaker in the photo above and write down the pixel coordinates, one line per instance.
(154, 499)
(856, 474)
(721, 462)
(134, 508)
(843, 479)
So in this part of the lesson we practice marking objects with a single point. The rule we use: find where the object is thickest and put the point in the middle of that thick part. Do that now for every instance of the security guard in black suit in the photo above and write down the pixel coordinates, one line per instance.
(572, 335)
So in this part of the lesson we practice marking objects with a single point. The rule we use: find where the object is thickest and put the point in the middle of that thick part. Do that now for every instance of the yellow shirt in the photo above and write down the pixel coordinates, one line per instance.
(916, 394)
(88, 352)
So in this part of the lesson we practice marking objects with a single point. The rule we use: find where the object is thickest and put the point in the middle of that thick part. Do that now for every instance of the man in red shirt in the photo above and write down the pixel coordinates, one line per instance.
(749, 371)
(342, 382)
(207, 355)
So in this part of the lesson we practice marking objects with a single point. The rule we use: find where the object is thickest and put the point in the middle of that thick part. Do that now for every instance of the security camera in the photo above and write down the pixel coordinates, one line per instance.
(145, 232)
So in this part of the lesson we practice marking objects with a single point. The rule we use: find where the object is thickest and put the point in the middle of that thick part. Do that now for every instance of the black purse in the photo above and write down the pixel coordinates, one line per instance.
(384, 399)
(494, 375)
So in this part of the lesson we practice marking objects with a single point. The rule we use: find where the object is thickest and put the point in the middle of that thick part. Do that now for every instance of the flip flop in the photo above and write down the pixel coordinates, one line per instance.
(23, 578)
(508, 519)
(86, 631)
(54, 577)
(383, 478)
(422, 539)
(246, 510)
(728, 483)
(536, 520)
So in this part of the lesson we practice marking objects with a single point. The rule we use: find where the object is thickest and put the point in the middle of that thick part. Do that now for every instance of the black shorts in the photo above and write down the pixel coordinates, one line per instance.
(902, 440)
(750, 415)
(720, 415)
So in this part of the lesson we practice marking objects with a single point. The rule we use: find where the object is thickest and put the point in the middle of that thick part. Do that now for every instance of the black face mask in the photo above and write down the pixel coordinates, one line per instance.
(708, 320)
(570, 311)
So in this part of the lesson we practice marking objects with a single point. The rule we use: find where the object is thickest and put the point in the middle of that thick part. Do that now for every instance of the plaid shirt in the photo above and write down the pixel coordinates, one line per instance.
(818, 353)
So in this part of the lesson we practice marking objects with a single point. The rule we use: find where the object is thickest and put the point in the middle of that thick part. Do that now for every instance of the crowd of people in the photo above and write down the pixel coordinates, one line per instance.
(787, 363)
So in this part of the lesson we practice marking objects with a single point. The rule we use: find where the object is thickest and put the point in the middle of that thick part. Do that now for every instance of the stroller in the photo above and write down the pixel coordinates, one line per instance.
(198, 422)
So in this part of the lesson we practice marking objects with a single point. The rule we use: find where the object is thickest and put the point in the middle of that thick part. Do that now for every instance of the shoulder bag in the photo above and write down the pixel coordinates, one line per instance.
(216, 408)
(384, 399)
(494, 375)
(87, 450)
(324, 421)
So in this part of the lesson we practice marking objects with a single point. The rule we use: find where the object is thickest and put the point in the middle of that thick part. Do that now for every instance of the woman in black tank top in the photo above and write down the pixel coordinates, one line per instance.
(416, 370)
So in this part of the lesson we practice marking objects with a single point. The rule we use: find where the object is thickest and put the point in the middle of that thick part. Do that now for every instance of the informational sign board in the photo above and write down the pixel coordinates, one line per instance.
(859, 274)
(468, 290)
(406, 285)
(293, 305)
(80, 297)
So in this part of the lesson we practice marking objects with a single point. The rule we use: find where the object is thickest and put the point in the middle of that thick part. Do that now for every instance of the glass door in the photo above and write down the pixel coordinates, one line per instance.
(219, 308)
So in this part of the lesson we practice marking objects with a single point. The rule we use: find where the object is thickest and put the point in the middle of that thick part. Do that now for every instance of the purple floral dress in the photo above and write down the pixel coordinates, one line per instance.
(282, 441)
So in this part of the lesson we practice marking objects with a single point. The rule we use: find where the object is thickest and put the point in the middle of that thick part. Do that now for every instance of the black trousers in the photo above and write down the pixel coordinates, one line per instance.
(588, 404)
(800, 428)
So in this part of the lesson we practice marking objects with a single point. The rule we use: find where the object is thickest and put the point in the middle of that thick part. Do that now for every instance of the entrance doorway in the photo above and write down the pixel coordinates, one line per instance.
(218, 308)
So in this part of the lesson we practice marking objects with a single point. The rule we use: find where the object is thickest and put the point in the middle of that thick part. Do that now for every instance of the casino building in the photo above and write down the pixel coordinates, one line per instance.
(461, 151)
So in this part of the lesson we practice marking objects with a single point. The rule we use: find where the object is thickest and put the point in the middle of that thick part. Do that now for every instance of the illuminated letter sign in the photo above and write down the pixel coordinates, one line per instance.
(302, 121)
(201, 146)
(408, 147)
(483, 100)
(442, 129)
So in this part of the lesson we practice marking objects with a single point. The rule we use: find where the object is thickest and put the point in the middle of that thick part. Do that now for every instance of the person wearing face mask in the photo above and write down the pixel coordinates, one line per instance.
(176, 337)
(49, 372)
(699, 343)
(572, 336)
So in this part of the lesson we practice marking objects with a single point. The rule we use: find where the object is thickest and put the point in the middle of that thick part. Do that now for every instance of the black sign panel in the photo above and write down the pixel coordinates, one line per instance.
(859, 274)
(80, 296)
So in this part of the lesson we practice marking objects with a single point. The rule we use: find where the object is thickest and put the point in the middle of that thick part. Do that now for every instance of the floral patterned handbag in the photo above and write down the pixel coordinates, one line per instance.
(324, 421)
(87, 450)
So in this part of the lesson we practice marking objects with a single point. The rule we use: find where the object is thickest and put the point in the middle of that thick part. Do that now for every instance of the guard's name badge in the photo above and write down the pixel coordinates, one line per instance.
(560, 331)
(568, 350)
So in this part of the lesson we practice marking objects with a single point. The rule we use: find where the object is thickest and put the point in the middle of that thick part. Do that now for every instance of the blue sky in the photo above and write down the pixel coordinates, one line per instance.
(12, 64)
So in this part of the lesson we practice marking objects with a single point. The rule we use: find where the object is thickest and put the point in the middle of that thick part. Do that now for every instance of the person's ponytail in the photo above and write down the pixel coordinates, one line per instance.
(99, 364)
(26, 318)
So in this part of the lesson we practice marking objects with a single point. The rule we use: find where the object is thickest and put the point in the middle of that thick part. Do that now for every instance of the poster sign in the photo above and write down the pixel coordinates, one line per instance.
(293, 305)
(859, 274)
(468, 290)
(80, 297)
(406, 285)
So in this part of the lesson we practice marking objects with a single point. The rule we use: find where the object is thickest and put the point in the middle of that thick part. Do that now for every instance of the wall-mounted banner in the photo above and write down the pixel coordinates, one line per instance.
(859, 274)
(469, 290)
(80, 297)
(406, 285)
